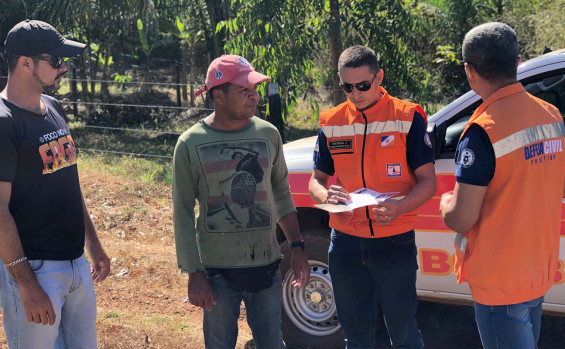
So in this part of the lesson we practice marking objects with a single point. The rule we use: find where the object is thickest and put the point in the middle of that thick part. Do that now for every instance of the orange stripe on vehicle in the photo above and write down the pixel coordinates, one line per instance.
(299, 182)
(431, 207)
(431, 224)
(303, 200)
(445, 182)
(429, 219)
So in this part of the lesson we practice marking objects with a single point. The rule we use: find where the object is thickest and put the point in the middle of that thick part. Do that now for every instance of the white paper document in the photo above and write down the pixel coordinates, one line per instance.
(359, 198)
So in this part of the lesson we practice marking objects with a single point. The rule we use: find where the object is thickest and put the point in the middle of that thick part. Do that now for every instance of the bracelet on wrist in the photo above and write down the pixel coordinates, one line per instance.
(17, 261)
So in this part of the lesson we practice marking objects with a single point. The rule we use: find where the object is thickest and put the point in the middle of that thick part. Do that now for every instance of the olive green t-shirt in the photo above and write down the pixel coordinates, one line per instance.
(239, 180)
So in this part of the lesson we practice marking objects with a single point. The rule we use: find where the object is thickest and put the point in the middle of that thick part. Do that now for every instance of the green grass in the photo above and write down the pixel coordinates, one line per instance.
(160, 319)
(303, 120)
(112, 315)
(135, 142)
(144, 170)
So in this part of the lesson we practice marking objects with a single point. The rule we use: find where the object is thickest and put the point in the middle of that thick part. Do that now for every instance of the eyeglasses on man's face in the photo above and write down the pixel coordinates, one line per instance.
(56, 62)
(361, 86)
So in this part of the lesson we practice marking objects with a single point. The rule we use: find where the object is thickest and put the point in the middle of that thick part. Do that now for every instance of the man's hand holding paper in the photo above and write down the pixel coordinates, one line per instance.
(340, 201)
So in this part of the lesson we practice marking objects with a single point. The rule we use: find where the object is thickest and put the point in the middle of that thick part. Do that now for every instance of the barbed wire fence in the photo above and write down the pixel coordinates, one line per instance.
(143, 133)
(72, 102)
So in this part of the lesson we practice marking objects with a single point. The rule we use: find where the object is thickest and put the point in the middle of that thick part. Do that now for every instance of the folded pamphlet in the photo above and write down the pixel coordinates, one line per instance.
(359, 198)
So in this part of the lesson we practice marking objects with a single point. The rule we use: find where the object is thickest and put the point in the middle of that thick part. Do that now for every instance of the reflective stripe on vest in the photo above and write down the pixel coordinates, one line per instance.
(527, 136)
(372, 127)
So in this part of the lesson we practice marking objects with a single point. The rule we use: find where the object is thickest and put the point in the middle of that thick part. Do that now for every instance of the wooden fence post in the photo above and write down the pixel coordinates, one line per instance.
(74, 90)
(275, 108)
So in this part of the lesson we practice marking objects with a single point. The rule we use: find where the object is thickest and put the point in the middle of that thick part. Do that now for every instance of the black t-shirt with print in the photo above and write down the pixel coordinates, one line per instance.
(38, 156)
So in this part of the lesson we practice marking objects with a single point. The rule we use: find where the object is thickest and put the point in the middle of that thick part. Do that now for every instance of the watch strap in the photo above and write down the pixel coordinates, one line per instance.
(299, 243)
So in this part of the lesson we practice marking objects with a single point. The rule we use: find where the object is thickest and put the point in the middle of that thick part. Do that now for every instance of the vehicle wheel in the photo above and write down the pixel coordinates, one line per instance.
(309, 318)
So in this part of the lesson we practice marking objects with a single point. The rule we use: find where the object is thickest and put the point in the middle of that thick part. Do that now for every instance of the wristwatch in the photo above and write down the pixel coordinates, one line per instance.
(299, 243)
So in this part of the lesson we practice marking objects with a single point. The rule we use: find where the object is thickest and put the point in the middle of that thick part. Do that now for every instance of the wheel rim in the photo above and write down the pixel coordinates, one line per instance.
(312, 307)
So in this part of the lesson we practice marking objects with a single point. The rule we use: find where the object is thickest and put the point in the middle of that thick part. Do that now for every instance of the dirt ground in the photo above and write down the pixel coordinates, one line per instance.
(143, 303)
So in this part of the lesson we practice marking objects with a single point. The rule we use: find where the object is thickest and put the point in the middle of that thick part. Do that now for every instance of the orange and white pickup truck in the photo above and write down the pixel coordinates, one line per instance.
(309, 314)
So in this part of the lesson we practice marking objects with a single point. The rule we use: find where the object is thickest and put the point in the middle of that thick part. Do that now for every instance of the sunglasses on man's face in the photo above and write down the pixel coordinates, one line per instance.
(361, 86)
(56, 62)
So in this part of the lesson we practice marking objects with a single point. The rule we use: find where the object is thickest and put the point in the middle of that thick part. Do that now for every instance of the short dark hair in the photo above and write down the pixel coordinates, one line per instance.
(12, 63)
(492, 50)
(223, 87)
(358, 56)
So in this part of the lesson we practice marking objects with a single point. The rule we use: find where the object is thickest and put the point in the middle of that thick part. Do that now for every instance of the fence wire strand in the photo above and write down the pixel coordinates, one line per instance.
(187, 84)
(129, 129)
(126, 153)
(136, 105)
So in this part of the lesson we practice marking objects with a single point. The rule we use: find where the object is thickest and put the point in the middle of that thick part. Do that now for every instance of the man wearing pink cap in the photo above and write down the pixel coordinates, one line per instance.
(231, 163)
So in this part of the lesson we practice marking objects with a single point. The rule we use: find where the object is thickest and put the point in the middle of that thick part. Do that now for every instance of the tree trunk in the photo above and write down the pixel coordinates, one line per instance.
(184, 72)
(104, 85)
(83, 78)
(147, 66)
(213, 22)
(335, 39)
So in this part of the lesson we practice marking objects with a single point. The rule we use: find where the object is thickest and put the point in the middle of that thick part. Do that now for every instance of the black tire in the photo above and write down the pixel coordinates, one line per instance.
(309, 318)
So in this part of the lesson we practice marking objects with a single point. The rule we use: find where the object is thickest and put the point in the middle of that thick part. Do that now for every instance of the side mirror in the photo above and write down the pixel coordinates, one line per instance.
(433, 138)
(437, 137)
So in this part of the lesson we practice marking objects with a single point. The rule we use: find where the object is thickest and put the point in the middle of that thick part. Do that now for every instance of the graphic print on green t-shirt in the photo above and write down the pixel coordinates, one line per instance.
(234, 174)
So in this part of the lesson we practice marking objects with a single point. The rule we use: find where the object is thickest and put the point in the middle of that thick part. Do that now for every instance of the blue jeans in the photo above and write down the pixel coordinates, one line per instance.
(263, 310)
(515, 326)
(367, 272)
(69, 286)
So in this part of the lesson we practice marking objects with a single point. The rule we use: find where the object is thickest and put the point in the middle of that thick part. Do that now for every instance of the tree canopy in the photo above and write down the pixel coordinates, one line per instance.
(295, 42)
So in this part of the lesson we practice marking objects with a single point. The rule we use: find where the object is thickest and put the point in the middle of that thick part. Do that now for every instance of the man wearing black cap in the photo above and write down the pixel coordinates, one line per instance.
(46, 284)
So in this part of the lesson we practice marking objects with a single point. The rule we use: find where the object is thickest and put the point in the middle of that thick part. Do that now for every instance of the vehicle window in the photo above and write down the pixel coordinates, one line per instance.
(453, 132)
(550, 88)
(455, 127)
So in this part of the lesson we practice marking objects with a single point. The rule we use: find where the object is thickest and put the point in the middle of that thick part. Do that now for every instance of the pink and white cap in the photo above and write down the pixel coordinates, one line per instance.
(231, 68)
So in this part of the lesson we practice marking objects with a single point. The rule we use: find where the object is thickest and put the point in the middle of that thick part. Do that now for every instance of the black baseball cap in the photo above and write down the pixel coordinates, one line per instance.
(32, 38)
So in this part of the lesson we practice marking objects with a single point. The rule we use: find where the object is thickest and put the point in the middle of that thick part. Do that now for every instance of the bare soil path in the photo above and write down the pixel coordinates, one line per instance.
(143, 304)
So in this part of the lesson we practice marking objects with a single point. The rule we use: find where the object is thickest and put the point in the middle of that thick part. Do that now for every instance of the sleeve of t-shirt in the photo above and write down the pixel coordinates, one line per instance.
(419, 149)
(279, 180)
(322, 157)
(8, 149)
(184, 199)
(474, 157)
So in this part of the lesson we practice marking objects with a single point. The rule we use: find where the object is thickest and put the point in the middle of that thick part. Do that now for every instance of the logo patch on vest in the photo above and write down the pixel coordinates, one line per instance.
(467, 158)
(393, 170)
(543, 151)
(387, 140)
(343, 144)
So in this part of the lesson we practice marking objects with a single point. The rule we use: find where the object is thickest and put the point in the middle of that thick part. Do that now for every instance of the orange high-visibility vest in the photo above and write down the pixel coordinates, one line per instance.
(369, 151)
(511, 253)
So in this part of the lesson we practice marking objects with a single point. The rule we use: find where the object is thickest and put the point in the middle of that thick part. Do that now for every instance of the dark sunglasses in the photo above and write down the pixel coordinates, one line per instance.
(361, 86)
(55, 61)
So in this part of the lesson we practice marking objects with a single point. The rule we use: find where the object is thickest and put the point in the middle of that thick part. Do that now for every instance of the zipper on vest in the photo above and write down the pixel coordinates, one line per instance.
(367, 213)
